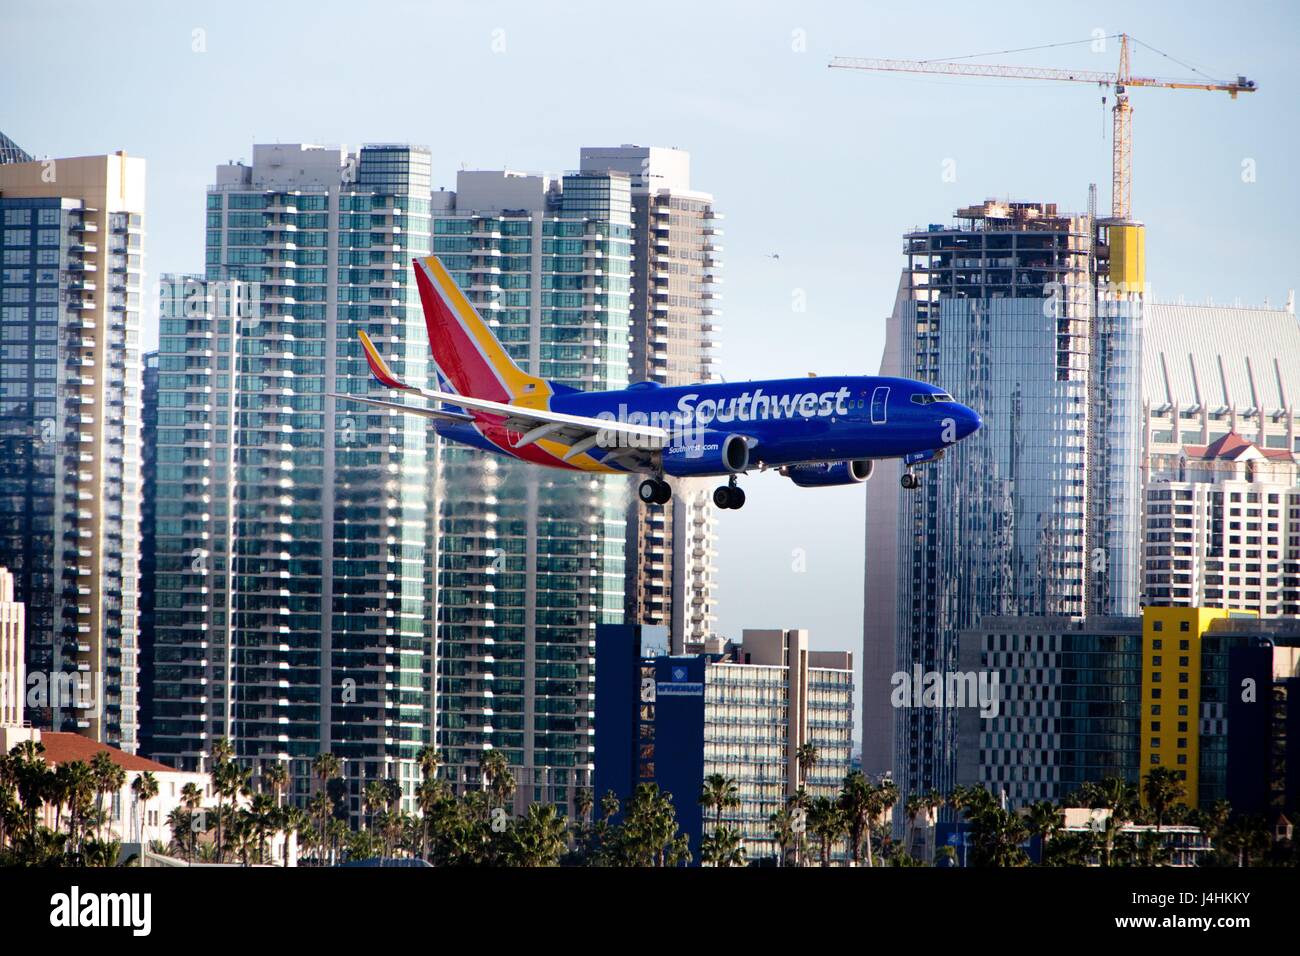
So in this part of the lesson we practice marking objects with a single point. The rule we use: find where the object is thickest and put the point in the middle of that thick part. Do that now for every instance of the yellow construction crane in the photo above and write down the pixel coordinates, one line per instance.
(1120, 81)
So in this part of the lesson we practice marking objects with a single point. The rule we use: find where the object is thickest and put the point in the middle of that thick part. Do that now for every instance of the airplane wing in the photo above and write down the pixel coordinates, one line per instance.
(632, 443)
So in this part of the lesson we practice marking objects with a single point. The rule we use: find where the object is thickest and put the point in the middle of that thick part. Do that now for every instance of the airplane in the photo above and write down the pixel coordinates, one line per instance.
(817, 431)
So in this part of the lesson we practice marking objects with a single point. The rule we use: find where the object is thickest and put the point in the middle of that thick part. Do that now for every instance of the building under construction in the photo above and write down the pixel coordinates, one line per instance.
(1029, 316)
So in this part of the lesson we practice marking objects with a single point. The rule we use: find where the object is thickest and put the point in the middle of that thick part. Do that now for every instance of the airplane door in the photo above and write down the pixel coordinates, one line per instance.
(879, 401)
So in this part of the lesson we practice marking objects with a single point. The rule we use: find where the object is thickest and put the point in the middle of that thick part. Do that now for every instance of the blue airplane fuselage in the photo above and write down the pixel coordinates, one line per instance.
(784, 421)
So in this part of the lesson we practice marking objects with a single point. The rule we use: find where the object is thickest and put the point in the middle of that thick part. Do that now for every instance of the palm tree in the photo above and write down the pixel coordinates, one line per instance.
(58, 790)
(10, 811)
(275, 777)
(609, 805)
(1119, 798)
(336, 832)
(886, 795)
(995, 833)
(42, 847)
(30, 772)
(719, 793)
(912, 807)
(1248, 838)
(1072, 848)
(191, 798)
(582, 803)
(827, 823)
(230, 782)
(1213, 821)
(109, 778)
(222, 752)
(179, 820)
(263, 815)
(145, 788)
(1044, 818)
(430, 760)
(375, 799)
(1162, 788)
(292, 820)
(648, 835)
(863, 805)
(859, 803)
(79, 780)
(326, 767)
(429, 796)
(805, 755)
(101, 853)
(381, 798)
(539, 837)
(321, 808)
(724, 847)
(798, 803)
(782, 827)
(932, 801)
(242, 832)
(497, 777)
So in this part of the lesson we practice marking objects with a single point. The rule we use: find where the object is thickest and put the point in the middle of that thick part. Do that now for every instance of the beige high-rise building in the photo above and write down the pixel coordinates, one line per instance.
(13, 678)
(672, 336)
(71, 241)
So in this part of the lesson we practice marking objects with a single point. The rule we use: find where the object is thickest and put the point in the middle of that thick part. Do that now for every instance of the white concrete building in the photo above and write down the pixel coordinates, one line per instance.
(1221, 431)
(12, 673)
(132, 822)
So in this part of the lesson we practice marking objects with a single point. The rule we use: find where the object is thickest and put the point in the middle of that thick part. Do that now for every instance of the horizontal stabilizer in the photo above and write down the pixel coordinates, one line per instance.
(414, 410)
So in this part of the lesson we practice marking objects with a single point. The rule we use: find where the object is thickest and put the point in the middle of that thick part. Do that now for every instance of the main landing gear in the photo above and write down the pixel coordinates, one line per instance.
(655, 491)
(729, 496)
(909, 480)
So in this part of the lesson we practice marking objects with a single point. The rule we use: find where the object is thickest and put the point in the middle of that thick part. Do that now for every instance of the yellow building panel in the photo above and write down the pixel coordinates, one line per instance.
(1171, 690)
(1128, 258)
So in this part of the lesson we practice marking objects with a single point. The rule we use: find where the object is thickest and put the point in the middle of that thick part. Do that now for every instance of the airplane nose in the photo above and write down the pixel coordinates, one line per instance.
(970, 421)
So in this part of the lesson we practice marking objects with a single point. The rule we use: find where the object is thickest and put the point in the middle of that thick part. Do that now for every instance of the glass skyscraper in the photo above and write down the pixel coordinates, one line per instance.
(294, 530)
(531, 560)
(72, 248)
(1037, 514)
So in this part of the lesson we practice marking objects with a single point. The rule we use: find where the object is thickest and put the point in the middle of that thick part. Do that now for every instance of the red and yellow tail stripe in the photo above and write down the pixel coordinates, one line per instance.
(471, 359)
(378, 367)
(465, 349)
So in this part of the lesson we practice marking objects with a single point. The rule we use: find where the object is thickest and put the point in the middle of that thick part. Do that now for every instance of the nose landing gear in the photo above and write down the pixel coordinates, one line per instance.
(909, 480)
(655, 491)
(729, 496)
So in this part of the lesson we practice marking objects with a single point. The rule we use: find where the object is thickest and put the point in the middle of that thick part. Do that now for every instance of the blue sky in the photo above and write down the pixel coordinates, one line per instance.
(824, 167)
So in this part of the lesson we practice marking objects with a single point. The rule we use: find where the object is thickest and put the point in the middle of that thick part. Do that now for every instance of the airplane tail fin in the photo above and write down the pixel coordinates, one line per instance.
(469, 358)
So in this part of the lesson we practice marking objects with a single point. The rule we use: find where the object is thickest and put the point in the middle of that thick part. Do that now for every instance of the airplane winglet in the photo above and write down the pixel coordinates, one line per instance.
(378, 367)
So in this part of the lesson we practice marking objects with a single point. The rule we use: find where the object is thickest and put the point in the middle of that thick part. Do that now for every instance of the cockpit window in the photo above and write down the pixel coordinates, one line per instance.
(929, 398)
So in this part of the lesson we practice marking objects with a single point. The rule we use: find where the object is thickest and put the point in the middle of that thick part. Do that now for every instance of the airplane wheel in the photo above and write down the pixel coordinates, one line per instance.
(909, 480)
(737, 498)
(653, 491)
(663, 492)
(722, 497)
